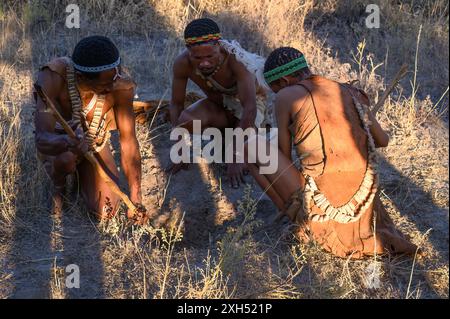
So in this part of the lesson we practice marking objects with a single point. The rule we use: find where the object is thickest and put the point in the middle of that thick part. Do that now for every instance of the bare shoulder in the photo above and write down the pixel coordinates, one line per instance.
(289, 99)
(124, 83)
(291, 94)
(123, 91)
(360, 94)
(50, 81)
(235, 65)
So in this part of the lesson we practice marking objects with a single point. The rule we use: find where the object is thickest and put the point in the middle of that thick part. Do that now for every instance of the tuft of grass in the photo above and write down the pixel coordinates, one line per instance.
(235, 243)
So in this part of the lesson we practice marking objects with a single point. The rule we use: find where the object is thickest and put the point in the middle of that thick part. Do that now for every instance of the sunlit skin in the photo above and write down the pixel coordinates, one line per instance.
(288, 179)
(101, 85)
(206, 58)
(66, 151)
(210, 111)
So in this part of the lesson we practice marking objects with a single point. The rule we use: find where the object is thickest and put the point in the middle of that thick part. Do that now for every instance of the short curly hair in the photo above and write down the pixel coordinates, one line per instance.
(282, 56)
(201, 27)
(95, 51)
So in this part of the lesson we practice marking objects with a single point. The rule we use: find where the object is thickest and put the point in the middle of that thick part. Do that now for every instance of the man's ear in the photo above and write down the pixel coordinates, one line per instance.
(285, 79)
(79, 75)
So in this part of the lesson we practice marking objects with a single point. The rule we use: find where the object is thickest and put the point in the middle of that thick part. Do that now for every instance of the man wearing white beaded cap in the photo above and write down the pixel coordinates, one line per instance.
(93, 96)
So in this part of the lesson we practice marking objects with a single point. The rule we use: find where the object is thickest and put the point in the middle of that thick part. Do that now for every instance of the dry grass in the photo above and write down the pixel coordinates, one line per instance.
(156, 263)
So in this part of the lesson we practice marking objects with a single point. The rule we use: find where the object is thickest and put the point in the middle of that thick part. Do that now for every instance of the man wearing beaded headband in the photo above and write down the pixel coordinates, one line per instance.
(334, 196)
(92, 95)
(227, 74)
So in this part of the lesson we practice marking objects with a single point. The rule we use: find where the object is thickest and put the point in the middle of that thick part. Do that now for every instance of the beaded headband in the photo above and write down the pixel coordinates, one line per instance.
(95, 69)
(285, 69)
(203, 38)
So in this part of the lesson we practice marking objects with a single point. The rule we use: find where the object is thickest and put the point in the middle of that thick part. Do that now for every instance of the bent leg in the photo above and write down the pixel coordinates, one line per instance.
(98, 197)
(285, 180)
(57, 168)
(209, 113)
(265, 184)
(283, 187)
(63, 165)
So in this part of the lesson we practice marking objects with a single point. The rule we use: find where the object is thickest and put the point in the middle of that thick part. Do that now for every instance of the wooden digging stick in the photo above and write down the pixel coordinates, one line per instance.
(88, 155)
(400, 74)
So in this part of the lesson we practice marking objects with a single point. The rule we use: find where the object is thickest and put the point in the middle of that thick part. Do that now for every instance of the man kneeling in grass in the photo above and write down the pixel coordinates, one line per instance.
(90, 93)
(227, 74)
(334, 196)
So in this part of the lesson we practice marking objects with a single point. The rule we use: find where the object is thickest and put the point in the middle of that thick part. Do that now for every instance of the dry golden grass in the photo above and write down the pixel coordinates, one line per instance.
(156, 263)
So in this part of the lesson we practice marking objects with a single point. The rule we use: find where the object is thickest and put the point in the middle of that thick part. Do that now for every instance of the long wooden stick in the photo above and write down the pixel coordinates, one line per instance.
(400, 74)
(88, 155)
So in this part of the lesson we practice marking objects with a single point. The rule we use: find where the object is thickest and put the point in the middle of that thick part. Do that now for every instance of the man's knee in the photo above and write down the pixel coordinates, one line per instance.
(65, 163)
(186, 118)
(203, 110)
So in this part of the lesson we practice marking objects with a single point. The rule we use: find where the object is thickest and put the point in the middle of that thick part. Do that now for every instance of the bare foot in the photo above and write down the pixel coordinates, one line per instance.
(303, 233)
(280, 215)
(140, 216)
(235, 174)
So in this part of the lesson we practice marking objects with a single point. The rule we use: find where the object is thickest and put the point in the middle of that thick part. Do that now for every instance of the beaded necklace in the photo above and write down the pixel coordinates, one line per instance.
(96, 134)
(211, 83)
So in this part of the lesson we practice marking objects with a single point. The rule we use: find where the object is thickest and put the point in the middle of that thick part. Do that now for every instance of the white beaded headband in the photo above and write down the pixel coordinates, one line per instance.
(95, 69)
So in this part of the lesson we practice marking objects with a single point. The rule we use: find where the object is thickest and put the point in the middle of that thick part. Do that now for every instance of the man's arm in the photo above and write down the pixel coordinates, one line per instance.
(283, 106)
(179, 83)
(246, 93)
(129, 146)
(380, 137)
(47, 142)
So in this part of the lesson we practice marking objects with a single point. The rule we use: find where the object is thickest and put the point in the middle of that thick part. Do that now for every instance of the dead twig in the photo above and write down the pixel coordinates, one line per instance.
(400, 74)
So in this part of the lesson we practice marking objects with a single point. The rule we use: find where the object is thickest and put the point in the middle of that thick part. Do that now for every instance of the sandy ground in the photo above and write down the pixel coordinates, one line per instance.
(43, 243)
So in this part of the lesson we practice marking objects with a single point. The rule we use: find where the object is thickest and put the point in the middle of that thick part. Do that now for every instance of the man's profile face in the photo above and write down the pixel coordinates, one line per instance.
(103, 84)
(276, 86)
(205, 57)
(280, 84)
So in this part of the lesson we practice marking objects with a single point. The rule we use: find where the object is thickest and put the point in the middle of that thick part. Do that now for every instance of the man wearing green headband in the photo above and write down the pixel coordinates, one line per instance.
(333, 196)
(223, 71)
(93, 96)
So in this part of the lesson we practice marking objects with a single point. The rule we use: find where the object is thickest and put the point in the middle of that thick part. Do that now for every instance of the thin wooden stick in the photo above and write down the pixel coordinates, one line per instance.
(400, 74)
(88, 155)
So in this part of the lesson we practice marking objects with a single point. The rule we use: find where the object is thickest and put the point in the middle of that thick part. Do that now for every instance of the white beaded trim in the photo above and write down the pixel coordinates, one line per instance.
(348, 212)
(97, 128)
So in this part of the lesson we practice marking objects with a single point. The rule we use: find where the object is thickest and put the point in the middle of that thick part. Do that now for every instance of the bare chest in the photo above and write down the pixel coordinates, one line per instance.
(89, 103)
(212, 85)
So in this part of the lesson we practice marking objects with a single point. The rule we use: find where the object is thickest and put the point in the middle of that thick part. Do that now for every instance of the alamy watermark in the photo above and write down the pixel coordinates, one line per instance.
(373, 19)
(73, 276)
(241, 146)
(73, 17)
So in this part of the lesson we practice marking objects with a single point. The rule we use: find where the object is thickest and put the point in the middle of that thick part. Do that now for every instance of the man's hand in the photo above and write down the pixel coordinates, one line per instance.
(247, 120)
(235, 173)
(77, 145)
(140, 216)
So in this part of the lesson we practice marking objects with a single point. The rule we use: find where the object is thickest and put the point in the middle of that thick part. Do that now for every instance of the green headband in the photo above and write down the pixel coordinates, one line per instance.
(285, 69)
